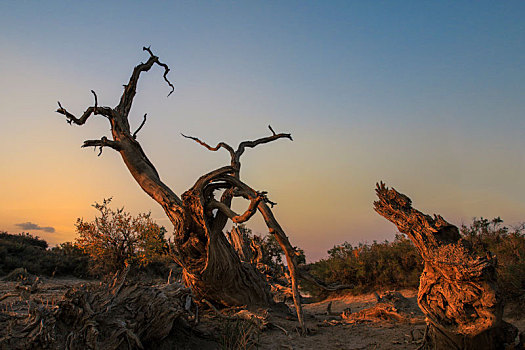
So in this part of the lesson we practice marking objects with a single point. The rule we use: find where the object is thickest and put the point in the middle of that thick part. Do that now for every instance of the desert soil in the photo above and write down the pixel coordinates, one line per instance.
(327, 331)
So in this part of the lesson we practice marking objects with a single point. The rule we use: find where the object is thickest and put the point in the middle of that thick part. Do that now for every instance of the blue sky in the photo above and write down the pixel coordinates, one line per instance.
(427, 96)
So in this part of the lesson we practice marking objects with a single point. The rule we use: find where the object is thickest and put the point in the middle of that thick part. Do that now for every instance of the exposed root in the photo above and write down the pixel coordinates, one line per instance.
(102, 317)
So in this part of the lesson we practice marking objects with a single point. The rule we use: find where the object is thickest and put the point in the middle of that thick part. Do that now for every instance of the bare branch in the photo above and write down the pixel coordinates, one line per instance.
(96, 101)
(212, 176)
(105, 111)
(276, 230)
(238, 192)
(252, 209)
(236, 218)
(216, 148)
(236, 155)
(239, 219)
(130, 89)
(140, 127)
(165, 66)
(103, 142)
(251, 144)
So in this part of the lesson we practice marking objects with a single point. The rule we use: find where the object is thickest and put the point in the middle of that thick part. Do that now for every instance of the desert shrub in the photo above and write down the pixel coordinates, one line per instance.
(269, 254)
(508, 246)
(115, 238)
(397, 264)
(70, 260)
(105, 245)
(29, 252)
(22, 251)
(238, 334)
(24, 239)
(274, 254)
(368, 267)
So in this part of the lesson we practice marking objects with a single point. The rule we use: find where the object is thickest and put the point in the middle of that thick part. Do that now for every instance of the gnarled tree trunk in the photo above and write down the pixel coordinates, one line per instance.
(211, 267)
(458, 290)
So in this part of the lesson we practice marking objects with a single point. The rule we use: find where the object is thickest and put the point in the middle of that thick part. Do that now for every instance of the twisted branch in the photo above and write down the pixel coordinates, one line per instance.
(216, 148)
(130, 89)
(236, 155)
(236, 218)
(166, 69)
(243, 190)
(105, 111)
(252, 144)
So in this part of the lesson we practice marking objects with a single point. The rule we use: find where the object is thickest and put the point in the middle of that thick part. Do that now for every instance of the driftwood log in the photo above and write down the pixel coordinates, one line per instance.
(458, 291)
(211, 266)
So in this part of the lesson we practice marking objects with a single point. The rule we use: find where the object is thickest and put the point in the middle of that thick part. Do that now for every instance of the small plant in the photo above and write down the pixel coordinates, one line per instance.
(238, 334)
(115, 238)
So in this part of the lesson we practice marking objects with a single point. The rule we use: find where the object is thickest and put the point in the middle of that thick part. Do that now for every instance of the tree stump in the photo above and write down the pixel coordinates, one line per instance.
(458, 291)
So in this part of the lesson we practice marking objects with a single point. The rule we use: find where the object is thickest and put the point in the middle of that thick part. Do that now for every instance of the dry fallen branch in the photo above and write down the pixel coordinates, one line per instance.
(391, 307)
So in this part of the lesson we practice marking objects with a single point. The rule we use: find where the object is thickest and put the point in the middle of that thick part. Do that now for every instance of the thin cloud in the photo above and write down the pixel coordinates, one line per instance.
(31, 226)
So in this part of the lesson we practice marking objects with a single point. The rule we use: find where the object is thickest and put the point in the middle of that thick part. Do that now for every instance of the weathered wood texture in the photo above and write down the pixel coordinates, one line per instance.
(458, 290)
(117, 315)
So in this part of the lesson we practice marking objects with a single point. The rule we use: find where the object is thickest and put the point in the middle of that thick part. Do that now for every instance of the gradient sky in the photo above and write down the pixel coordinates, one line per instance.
(426, 96)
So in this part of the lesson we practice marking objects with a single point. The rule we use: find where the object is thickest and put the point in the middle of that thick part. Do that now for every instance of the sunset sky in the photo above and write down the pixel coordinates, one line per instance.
(427, 96)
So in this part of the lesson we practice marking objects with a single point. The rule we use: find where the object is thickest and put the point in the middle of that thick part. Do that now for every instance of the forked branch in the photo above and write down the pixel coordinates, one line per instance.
(251, 144)
(125, 142)
(131, 88)
(236, 155)
(70, 118)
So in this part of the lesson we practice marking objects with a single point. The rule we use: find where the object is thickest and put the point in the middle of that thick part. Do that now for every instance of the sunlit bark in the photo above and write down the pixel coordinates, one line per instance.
(458, 290)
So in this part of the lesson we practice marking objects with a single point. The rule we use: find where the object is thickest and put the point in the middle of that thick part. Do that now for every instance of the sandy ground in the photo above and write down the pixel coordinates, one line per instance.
(327, 331)
(331, 332)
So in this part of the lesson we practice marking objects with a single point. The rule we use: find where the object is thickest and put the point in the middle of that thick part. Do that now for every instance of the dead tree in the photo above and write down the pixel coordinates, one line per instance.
(211, 267)
(458, 290)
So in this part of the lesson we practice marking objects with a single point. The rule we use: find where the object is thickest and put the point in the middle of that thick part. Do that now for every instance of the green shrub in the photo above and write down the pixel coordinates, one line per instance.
(397, 264)
(29, 252)
(507, 245)
(21, 251)
(115, 238)
(369, 267)
(70, 260)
